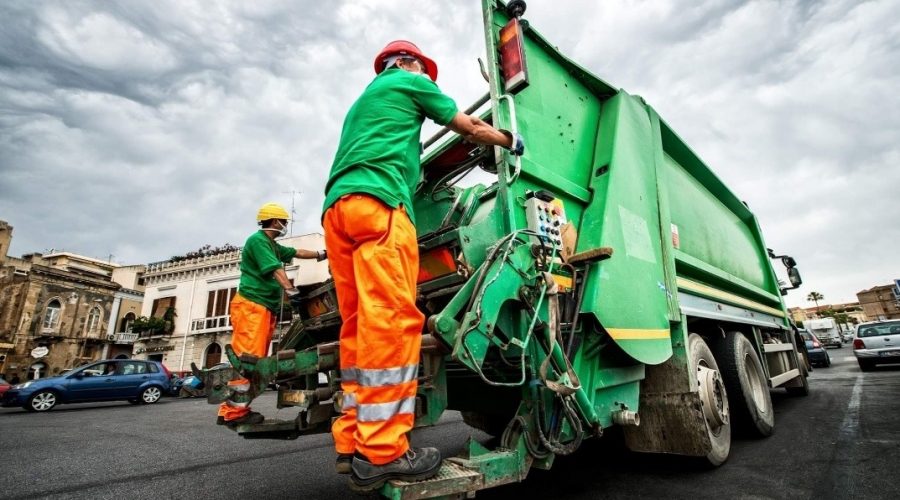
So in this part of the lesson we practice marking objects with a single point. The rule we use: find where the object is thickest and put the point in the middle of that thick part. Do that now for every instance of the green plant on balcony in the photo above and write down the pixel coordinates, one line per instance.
(150, 326)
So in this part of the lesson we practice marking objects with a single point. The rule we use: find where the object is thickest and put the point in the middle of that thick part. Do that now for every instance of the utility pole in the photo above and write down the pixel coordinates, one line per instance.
(292, 192)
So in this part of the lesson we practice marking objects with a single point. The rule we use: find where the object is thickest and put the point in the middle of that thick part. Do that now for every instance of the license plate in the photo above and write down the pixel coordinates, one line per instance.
(891, 353)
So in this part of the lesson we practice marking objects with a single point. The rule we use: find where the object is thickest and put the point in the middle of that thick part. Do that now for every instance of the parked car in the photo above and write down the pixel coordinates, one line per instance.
(818, 356)
(135, 381)
(877, 343)
(4, 386)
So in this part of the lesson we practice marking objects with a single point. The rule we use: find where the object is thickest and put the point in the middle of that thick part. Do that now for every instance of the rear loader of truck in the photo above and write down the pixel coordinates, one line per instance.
(605, 278)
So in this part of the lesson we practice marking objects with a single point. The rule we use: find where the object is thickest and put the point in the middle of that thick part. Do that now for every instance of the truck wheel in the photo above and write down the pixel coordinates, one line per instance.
(803, 388)
(489, 424)
(748, 390)
(714, 397)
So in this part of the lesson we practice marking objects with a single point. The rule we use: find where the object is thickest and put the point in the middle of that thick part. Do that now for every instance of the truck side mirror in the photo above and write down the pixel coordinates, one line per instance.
(794, 276)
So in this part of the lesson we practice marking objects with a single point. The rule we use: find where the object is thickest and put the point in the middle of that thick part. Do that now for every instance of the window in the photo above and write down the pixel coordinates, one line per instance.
(127, 321)
(153, 368)
(161, 305)
(217, 304)
(51, 315)
(93, 320)
(134, 368)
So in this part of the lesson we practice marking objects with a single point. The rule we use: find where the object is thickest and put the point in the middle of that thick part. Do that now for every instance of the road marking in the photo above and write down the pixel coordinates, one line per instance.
(850, 426)
(848, 358)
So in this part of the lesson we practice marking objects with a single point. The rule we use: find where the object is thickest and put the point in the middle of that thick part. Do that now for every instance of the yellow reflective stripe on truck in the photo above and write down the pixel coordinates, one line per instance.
(638, 333)
(726, 296)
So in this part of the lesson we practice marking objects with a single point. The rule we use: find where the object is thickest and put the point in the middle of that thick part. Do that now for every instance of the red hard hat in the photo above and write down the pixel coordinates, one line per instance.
(402, 47)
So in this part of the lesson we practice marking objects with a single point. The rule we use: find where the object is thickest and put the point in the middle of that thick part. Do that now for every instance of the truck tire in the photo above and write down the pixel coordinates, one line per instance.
(715, 400)
(745, 380)
(493, 425)
(803, 388)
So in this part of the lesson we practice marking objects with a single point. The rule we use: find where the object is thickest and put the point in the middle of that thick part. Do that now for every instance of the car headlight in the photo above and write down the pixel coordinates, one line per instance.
(23, 385)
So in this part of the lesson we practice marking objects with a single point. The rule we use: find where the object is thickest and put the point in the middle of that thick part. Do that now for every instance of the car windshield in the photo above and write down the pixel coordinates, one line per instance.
(3, 382)
(805, 336)
(877, 329)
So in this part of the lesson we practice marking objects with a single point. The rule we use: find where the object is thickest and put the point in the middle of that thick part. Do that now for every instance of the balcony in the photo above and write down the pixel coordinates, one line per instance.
(213, 324)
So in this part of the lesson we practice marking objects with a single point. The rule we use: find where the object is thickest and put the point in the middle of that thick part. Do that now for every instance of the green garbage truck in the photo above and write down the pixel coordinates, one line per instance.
(607, 278)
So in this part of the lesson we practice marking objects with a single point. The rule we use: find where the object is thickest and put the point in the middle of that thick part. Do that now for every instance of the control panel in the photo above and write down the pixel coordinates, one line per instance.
(545, 217)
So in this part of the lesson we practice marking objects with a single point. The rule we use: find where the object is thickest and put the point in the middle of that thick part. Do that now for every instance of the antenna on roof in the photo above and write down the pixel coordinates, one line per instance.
(292, 192)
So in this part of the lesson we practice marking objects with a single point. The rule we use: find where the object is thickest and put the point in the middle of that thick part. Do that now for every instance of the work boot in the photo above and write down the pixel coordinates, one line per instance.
(250, 418)
(220, 420)
(414, 465)
(343, 464)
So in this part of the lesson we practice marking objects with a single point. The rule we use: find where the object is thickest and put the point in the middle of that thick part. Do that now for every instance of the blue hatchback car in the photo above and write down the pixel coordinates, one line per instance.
(136, 381)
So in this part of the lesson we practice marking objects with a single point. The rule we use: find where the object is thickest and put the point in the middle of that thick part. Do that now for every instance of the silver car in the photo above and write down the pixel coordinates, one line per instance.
(877, 343)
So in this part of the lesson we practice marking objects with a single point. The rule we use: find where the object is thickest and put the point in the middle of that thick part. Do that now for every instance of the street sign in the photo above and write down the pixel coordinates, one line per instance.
(39, 352)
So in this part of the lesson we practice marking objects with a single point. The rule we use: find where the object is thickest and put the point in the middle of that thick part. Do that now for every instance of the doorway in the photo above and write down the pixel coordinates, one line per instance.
(213, 355)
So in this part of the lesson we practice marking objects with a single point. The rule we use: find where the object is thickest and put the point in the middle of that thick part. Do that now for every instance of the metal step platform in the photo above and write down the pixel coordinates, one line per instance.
(452, 481)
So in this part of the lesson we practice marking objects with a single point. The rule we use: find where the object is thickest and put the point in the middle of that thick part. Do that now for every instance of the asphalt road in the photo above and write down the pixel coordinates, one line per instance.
(839, 442)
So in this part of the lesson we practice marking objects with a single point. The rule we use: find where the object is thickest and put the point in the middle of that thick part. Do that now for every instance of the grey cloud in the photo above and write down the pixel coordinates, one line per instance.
(146, 129)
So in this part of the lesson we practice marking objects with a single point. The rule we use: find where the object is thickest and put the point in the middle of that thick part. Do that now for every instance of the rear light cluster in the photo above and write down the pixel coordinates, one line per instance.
(858, 344)
(512, 57)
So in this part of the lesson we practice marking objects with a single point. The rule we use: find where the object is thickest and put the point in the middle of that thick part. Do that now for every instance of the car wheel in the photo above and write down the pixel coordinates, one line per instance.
(42, 401)
(150, 395)
(714, 399)
(827, 361)
(745, 381)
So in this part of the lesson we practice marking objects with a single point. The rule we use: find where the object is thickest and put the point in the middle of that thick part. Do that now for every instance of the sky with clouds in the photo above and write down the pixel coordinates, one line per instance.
(146, 129)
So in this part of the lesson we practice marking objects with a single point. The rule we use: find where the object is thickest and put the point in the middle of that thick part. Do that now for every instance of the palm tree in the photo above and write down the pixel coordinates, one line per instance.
(815, 297)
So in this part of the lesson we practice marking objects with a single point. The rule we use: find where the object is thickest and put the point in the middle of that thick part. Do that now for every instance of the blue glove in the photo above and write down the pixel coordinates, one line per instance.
(518, 143)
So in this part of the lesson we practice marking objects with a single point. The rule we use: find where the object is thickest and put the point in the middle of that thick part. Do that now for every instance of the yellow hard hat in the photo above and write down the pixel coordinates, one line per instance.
(271, 211)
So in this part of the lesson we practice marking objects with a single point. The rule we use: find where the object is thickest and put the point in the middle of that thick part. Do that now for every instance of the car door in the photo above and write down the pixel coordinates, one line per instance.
(134, 375)
(94, 382)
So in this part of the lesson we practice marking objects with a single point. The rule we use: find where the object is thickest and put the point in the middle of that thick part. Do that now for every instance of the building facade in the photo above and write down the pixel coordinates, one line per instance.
(852, 310)
(881, 302)
(54, 316)
(190, 299)
(56, 310)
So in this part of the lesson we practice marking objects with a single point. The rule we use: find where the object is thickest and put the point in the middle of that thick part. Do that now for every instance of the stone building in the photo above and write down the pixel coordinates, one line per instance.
(881, 302)
(62, 303)
(55, 311)
(196, 294)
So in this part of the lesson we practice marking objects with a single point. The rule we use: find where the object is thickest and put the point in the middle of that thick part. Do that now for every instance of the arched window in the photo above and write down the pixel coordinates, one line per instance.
(93, 320)
(51, 315)
(127, 321)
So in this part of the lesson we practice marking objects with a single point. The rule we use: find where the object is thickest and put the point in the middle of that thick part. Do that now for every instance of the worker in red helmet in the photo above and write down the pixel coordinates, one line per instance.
(370, 237)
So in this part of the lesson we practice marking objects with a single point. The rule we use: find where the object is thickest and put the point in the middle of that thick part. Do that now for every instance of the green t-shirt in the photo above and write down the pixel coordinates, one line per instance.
(259, 259)
(379, 149)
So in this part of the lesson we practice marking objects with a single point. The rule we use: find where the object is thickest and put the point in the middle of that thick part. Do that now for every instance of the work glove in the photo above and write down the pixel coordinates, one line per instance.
(294, 298)
(518, 143)
(321, 255)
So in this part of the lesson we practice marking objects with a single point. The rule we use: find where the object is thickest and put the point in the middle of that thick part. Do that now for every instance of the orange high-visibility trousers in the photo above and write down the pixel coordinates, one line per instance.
(374, 260)
(252, 325)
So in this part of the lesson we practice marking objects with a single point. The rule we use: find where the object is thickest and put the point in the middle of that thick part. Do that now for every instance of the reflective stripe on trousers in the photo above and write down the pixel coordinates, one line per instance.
(372, 377)
(379, 412)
